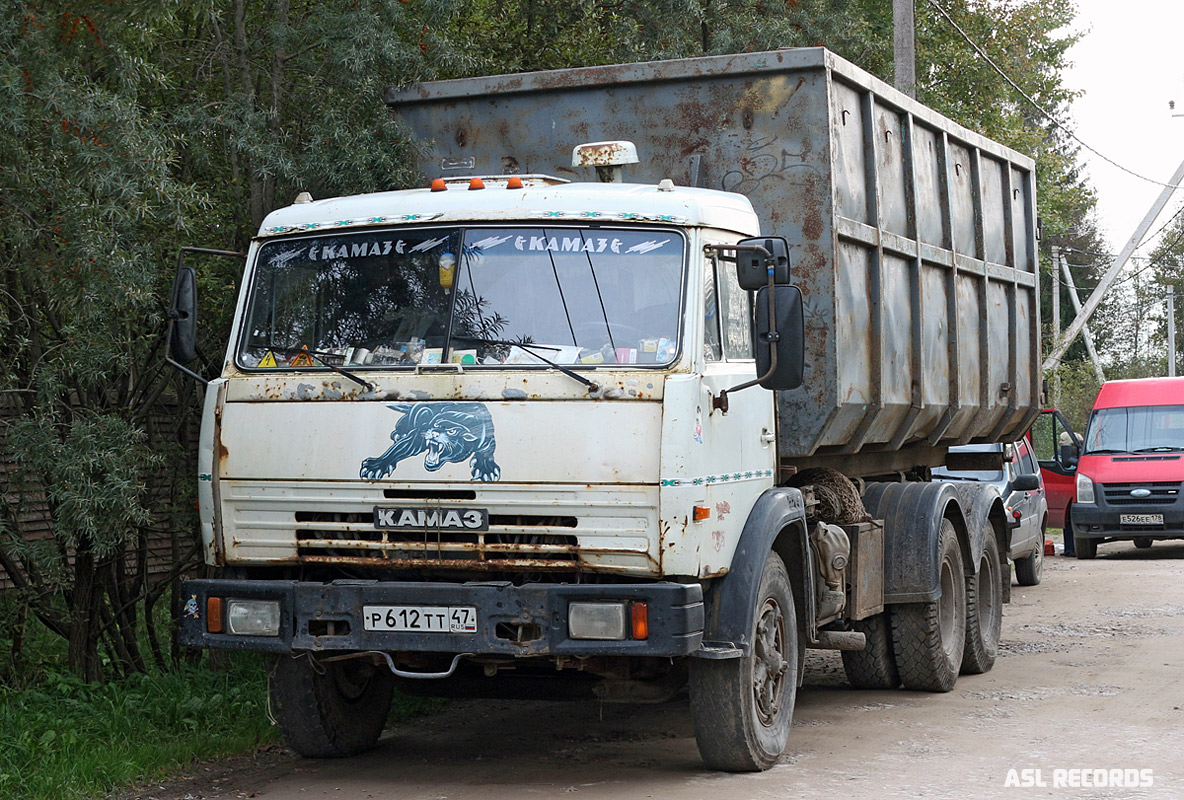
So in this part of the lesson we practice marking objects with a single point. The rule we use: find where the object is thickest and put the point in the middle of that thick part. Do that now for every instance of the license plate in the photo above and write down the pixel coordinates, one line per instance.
(422, 619)
(431, 519)
(1141, 519)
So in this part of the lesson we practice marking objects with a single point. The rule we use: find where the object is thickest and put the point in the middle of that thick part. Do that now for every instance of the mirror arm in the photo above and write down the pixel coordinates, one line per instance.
(720, 401)
(168, 344)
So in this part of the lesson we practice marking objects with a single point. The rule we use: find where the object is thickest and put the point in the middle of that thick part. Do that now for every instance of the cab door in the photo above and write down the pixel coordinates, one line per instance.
(1056, 447)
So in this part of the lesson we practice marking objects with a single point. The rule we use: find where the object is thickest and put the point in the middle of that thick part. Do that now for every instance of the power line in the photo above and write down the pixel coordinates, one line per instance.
(1040, 108)
(1161, 227)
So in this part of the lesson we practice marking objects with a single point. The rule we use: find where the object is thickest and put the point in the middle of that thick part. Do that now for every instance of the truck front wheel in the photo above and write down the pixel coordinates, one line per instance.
(742, 707)
(329, 709)
(929, 637)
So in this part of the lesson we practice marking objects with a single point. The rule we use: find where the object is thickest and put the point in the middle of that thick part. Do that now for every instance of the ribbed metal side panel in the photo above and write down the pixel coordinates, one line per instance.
(912, 238)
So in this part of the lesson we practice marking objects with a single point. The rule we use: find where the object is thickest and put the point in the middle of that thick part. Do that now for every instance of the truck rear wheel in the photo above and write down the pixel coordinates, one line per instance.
(873, 667)
(742, 707)
(329, 709)
(984, 610)
(928, 638)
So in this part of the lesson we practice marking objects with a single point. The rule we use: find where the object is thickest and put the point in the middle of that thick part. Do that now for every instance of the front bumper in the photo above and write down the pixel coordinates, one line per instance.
(1105, 522)
(504, 611)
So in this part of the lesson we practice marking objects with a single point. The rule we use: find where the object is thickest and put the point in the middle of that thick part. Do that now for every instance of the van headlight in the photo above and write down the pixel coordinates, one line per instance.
(1085, 489)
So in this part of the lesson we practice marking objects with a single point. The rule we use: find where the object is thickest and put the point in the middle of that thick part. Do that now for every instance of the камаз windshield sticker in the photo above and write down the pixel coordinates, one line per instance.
(448, 433)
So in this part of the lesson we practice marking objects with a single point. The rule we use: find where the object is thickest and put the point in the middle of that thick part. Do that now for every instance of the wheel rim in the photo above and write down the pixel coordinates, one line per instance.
(1038, 557)
(769, 664)
(947, 607)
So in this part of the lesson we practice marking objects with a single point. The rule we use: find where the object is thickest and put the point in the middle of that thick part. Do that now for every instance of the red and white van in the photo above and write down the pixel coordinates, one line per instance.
(1131, 466)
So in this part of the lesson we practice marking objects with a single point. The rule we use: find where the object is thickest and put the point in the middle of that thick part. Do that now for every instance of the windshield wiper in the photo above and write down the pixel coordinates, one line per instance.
(533, 350)
(1104, 452)
(321, 358)
(1162, 448)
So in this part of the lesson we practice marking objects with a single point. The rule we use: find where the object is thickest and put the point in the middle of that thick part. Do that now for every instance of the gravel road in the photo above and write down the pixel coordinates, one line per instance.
(1086, 690)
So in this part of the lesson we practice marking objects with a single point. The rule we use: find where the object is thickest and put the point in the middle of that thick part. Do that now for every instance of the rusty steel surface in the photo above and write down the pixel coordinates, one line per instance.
(912, 239)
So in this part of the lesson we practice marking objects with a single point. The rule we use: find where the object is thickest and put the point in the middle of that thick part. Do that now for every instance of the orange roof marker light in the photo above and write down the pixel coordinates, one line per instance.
(476, 183)
(438, 185)
(514, 182)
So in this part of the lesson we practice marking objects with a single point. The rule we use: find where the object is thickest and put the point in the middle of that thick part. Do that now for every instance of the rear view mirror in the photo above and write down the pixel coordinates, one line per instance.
(789, 343)
(1069, 455)
(1026, 483)
(183, 316)
(752, 270)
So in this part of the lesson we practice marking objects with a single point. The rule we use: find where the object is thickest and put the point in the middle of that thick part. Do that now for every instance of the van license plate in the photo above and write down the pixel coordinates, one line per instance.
(420, 619)
(1141, 519)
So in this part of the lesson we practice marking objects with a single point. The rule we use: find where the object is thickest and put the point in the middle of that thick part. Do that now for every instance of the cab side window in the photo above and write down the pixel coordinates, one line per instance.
(735, 314)
(712, 347)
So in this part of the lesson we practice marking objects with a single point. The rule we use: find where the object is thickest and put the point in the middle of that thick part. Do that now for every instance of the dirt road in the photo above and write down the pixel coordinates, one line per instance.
(1089, 680)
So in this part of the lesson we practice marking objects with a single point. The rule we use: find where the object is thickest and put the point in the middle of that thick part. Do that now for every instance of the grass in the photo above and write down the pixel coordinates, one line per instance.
(66, 739)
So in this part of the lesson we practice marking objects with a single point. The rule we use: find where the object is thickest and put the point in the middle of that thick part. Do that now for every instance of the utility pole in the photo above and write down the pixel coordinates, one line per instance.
(1056, 321)
(1171, 331)
(1085, 334)
(1062, 344)
(904, 49)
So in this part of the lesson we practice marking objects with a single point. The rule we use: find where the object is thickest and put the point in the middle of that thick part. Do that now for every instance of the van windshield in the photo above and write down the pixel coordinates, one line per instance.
(485, 297)
(1140, 429)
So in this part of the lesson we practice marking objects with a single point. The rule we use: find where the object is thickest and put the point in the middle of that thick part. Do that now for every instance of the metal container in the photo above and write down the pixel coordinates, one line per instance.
(912, 238)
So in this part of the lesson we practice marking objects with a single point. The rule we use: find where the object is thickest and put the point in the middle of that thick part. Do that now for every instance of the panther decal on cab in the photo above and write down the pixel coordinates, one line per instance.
(448, 433)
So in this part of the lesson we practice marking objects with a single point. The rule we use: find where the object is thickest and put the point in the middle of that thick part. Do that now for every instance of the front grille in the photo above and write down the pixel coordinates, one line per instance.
(352, 537)
(1163, 493)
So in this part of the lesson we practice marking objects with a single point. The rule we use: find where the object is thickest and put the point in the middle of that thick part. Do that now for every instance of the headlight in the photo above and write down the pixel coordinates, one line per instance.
(1085, 489)
(596, 621)
(253, 617)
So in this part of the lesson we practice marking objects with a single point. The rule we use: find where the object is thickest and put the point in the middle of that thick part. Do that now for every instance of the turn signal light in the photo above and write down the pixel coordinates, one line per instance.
(214, 614)
(438, 185)
(639, 618)
(701, 513)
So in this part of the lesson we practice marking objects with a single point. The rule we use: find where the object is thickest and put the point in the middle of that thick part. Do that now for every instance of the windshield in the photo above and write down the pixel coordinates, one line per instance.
(480, 297)
(1141, 429)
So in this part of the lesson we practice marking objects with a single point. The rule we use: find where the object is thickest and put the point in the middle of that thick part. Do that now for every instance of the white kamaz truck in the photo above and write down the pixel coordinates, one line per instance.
(524, 432)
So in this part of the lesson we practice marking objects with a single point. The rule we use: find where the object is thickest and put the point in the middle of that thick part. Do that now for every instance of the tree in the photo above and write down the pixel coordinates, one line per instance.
(88, 189)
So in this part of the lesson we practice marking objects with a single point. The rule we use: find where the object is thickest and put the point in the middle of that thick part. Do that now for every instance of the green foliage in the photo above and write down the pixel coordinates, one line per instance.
(1078, 388)
(95, 473)
(69, 739)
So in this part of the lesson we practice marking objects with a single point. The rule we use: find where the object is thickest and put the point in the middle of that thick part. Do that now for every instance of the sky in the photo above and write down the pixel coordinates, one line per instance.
(1130, 64)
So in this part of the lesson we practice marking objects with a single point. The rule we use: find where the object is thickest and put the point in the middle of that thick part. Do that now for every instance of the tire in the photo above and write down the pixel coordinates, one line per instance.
(874, 667)
(329, 709)
(1086, 548)
(984, 610)
(1029, 571)
(742, 707)
(1142, 542)
(928, 638)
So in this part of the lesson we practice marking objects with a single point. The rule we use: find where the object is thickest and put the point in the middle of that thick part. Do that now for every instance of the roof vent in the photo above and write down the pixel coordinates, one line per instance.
(607, 157)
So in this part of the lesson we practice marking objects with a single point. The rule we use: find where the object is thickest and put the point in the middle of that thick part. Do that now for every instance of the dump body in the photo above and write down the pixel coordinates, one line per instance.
(912, 238)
